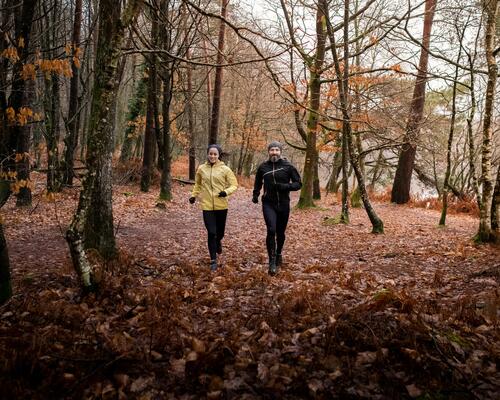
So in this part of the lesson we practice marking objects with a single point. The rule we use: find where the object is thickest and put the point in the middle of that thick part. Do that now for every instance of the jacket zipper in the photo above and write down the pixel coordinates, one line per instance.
(277, 193)
(212, 186)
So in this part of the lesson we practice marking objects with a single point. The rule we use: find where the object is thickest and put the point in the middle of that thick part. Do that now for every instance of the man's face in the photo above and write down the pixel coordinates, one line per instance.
(213, 155)
(274, 154)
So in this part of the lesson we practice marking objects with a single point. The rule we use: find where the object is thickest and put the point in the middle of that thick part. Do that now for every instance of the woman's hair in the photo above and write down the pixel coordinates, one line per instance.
(215, 146)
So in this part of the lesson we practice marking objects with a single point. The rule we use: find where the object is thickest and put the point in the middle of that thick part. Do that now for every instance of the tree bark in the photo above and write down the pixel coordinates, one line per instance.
(52, 103)
(495, 208)
(167, 77)
(73, 119)
(314, 67)
(485, 233)
(402, 180)
(214, 120)
(5, 283)
(190, 117)
(148, 159)
(4, 72)
(19, 136)
(446, 184)
(470, 137)
(92, 224)
(149, 134)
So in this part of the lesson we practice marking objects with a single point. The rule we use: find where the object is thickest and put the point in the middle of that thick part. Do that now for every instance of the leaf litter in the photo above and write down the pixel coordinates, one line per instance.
(412, 313)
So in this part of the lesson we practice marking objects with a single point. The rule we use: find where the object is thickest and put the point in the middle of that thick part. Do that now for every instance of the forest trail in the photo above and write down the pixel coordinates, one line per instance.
(351, 314)
(413, 250)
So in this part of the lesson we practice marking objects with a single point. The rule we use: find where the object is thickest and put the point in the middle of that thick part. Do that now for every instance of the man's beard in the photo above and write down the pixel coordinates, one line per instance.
(274, 158)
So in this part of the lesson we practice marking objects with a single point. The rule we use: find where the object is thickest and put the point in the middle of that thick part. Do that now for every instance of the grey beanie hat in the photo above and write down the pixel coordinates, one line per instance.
(275, 143)
(215, 146)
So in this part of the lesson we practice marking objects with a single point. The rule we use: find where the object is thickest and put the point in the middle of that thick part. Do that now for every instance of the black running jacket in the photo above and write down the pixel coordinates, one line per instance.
(279, 178)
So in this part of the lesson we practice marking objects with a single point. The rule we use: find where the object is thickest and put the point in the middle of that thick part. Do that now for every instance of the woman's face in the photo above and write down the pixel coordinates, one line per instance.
(213, 155)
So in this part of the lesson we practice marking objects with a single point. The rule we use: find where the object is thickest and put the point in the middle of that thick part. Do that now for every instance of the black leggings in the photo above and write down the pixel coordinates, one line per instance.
(276, 220)
(215, 222)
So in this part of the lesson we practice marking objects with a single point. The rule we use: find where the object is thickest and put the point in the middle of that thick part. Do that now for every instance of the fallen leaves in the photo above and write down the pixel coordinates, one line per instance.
(414, 312)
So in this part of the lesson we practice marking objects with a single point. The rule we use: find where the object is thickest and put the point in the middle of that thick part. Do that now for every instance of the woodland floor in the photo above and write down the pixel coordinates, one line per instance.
(413, 313)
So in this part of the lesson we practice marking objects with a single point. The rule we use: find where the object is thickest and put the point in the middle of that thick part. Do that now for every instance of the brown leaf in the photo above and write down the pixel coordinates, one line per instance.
(198, 345)
(413, 390)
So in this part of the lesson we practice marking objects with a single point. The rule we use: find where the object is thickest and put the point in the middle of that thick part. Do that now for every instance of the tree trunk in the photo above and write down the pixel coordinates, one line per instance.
(444, 209)
(214, 120)
(343, 92)
(166, 178)
(485, 233)
(314, 66)
(137, 108)
(92, 224)
(167, 77)
(52, 104)
(4, 73)
(5, 284)
(470, 137)
(316, 186)
(148, 159)
(190, 117)
(495, 208)
(19, 136)
(402, 180)
(73, 119)
(377, 170)
(149, 135)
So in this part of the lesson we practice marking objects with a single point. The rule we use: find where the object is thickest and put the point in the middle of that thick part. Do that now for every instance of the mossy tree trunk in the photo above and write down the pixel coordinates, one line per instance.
(92, 224)
(314, 66)
(167, 78)
(137, 107)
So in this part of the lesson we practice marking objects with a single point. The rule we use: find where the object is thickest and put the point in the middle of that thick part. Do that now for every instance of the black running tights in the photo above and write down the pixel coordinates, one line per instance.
(215, 222)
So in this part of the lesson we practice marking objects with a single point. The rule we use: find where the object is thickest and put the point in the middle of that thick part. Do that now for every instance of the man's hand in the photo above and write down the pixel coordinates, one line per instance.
(192, 199)
(222, 194)
(255, 199)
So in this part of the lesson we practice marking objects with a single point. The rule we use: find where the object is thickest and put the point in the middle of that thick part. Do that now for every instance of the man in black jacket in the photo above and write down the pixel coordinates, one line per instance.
(279, 177)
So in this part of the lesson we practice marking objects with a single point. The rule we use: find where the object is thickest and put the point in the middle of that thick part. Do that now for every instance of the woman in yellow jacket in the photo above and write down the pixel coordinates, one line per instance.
(214, 182)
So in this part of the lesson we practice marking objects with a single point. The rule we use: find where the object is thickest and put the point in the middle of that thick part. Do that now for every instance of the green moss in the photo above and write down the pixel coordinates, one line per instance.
(328, 221)
(356, 198)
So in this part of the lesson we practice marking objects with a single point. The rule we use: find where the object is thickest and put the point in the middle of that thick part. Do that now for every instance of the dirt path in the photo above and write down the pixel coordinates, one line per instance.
(412, 249)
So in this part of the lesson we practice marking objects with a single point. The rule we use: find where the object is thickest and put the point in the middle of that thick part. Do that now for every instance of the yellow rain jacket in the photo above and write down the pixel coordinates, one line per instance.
(211, 179)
